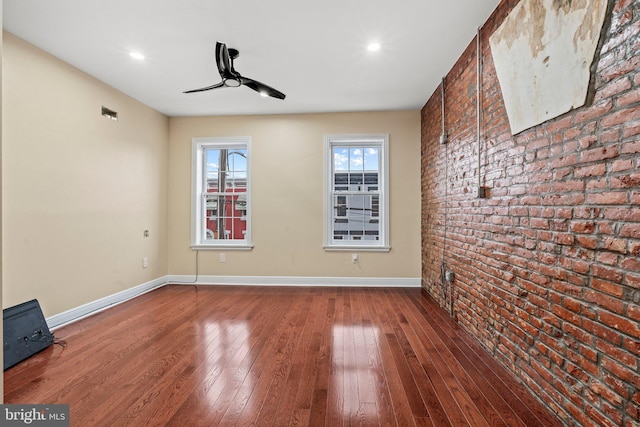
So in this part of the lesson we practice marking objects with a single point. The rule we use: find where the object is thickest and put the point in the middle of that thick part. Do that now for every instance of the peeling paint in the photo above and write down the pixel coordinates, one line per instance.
(528, 22)
(589, 29)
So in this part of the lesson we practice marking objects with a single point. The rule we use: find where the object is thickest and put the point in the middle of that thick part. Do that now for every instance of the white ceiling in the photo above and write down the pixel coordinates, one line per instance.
(313, 51)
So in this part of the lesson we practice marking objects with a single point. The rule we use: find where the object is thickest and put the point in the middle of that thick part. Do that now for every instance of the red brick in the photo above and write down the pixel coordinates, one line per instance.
(559, 124)
(599, 418)
(582, 227)
(598, 154)
(605, 392)
(612, 412)
(618, 354)
(630, 129)
(632, 280)
(616, 245)
(620, 323)
(564, 161)
(607, 273)
(613, 88)
(587, 241)
(597, 110)
(630, 147)
(630, 264)
(621, 371)
(612, 304)
(620, 165)
(626, 181)
(607, 258)
(632, 345)
(608, 198)
(610, 288)
(630, 230)
(593, 170)
(621, 68)
(622, 214)
(630, 97)
(621, 116)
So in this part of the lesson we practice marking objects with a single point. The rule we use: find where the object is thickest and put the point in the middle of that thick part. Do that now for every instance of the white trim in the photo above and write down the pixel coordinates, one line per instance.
(356, 247)
(102, 304)
(94, 307)
(378, 282)
(219, 247)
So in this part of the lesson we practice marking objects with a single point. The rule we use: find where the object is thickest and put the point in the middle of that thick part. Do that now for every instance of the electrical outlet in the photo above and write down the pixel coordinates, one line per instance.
(223, 257)
(145, 262)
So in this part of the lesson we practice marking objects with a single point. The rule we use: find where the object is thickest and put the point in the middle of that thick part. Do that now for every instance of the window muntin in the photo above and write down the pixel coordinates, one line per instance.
(356, 182)
(221, 192)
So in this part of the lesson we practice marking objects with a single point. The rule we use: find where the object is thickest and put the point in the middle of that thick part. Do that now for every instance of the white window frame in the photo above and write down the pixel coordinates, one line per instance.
(198, 183)
(361, 140)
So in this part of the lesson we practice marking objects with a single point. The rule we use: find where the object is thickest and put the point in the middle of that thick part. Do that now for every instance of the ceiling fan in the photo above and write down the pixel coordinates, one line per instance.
(232, 78)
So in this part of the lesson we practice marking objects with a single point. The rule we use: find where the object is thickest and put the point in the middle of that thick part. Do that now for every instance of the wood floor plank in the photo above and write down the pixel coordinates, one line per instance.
(274, 356)
(465, 395)
(270, 396)
(509, 392)
(500, 412)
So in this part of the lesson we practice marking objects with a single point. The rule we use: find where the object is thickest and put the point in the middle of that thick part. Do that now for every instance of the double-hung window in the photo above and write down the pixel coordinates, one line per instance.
(356, 199)
(221, 200)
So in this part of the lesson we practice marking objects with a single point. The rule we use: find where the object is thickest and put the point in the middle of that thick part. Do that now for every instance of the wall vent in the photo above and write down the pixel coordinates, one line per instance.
(110, 114)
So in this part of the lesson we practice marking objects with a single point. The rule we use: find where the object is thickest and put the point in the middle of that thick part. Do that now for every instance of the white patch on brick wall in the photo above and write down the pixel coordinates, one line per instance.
(543, 53)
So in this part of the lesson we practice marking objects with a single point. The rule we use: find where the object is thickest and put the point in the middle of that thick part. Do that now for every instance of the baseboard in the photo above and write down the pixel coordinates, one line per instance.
(388, 282)
(101, 304)
(69, 316)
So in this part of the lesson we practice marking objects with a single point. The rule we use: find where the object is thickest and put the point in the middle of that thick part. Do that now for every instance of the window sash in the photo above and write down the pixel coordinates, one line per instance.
(221, 200)
(357, 214)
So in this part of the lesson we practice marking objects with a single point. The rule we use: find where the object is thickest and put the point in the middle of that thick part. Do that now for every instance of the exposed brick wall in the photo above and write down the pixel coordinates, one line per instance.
(547, 267)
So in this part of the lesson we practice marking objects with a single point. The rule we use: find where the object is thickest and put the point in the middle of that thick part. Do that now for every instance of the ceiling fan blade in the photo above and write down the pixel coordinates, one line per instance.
(262, 88)
(215, 86)
(225, 67)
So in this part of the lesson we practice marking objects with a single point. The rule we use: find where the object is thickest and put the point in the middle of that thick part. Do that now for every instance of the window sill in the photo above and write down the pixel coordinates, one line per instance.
(356, 248)
(215, 247)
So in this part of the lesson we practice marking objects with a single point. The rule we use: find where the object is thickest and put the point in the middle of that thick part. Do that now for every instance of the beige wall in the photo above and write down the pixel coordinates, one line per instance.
(78, 189)
(288, 205)
(1, 325)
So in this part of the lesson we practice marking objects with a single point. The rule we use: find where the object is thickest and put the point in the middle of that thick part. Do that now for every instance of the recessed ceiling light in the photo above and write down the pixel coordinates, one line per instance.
(372, 47)
(136, 55)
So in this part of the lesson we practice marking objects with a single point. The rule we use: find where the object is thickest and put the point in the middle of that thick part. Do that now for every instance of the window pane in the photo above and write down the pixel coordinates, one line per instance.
(226, 217)
(371, 162)
(340, 159)
(356, 159)
(356, 217)
(213, 161)
(340, 179)
(375, 206)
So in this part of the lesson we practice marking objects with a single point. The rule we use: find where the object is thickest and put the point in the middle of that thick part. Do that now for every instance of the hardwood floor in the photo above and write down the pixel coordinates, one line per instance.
(274, 356)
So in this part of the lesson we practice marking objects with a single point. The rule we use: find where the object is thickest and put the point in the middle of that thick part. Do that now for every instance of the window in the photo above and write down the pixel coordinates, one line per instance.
(357, 210)
(221, 183)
